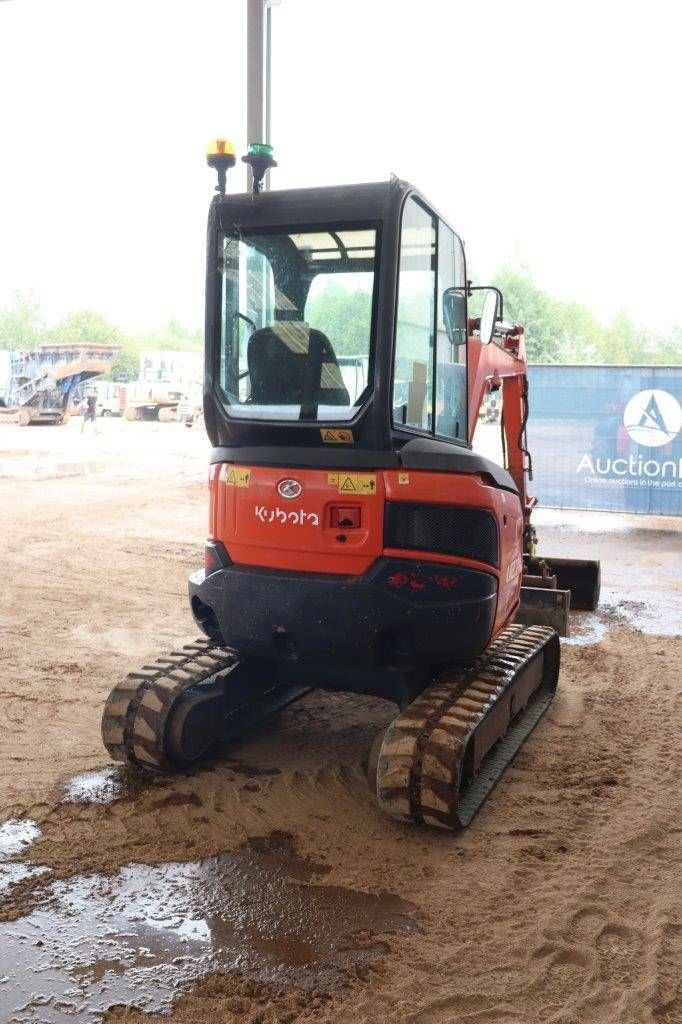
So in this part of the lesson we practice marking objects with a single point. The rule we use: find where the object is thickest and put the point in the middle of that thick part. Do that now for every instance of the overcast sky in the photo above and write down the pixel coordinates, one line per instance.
(542, 129)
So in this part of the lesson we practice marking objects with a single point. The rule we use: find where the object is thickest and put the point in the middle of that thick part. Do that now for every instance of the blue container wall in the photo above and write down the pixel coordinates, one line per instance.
(607, 437)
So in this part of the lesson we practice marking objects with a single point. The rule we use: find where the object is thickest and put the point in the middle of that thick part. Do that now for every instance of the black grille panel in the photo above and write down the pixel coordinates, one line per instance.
(468, 532)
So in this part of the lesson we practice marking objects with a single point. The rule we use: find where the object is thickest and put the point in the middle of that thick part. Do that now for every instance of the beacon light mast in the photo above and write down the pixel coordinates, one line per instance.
(220, 154)
(258, 80)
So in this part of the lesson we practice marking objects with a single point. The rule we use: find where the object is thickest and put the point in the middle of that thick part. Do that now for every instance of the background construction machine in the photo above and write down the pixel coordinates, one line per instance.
(356, 541)
(38, 386)
(164, 378)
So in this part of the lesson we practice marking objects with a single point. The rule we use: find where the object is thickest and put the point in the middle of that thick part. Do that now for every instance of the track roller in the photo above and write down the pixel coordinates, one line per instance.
(440, 758)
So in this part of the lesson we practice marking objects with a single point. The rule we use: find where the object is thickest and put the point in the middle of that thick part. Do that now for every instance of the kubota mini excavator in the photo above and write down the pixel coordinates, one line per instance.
(356, 541)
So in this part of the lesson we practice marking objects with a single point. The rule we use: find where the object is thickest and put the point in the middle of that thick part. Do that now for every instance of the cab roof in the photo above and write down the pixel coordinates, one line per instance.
(368, 202)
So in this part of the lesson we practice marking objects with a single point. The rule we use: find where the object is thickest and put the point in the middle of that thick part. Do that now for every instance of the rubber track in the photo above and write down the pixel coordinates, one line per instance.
(137, 709)
(420, 763)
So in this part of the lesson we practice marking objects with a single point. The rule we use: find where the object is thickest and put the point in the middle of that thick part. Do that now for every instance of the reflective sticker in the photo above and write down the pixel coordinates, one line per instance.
(514, 568)
(237, 477)
(403, 478)
(353, 483)
(336, 436)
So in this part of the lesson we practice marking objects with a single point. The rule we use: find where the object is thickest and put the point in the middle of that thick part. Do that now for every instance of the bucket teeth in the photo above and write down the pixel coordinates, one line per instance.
(465, 729)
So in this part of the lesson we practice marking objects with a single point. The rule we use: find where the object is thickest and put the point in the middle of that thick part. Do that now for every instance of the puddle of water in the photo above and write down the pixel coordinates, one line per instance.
(102, 786)
(15, 835)
(654, 612)
(144, 935)
(586, 628)
(10, 874)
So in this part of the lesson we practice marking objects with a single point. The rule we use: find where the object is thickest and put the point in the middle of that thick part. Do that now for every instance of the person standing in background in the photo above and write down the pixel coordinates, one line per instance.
(90, 411)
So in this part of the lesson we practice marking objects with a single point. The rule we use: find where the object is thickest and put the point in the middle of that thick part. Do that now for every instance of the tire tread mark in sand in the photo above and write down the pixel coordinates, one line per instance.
(619, 948)
(667, 1001)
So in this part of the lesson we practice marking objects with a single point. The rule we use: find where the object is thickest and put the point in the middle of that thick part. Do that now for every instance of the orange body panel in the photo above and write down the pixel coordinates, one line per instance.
(260, 528)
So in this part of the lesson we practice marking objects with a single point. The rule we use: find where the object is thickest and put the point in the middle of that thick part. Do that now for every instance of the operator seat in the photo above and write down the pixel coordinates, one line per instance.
(291, 363)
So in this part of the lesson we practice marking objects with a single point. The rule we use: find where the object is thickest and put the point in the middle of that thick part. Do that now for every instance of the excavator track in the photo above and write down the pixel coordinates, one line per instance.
(140, 709)
(439, 759)
(173, 713)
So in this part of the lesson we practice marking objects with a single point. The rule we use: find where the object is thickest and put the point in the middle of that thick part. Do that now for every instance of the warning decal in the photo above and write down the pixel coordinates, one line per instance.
(237, 477)
(336, 436)
(353, 483)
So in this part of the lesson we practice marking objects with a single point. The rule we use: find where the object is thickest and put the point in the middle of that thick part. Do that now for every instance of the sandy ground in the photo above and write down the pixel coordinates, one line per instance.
(562, 902)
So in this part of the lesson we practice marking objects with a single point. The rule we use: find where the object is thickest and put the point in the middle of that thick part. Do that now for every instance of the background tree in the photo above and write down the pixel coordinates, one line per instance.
(344, 316)
(85, 325)
(557, 331)
(173, 336)
(21, 322)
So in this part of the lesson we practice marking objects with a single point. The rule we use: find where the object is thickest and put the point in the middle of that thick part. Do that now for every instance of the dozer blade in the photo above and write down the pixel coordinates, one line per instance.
(440, 758)
(173, 713)
(545, 606)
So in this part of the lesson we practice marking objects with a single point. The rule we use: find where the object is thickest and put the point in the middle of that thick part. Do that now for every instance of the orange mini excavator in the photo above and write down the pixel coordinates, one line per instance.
(356, 541)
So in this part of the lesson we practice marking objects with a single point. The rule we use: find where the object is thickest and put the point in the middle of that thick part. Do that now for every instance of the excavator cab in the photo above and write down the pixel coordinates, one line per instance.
(356, 540)
(303, 283)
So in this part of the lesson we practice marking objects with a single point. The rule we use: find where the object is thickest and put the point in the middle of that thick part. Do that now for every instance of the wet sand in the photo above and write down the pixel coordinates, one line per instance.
(561, 903)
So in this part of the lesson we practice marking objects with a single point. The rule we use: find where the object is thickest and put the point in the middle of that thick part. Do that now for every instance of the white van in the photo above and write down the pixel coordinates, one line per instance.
(110, 401)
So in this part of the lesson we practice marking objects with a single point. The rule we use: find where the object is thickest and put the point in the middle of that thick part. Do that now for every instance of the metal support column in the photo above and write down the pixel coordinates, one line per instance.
(258, 89)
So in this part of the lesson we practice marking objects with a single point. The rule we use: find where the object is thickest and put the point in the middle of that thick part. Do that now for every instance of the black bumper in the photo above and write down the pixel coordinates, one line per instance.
(401, 614)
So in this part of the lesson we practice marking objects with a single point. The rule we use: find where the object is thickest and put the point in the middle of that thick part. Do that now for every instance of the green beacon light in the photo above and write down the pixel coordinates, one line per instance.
(260, 159)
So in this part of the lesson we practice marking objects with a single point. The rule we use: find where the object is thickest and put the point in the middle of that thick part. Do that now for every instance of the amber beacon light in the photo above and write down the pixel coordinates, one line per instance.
(221, 156)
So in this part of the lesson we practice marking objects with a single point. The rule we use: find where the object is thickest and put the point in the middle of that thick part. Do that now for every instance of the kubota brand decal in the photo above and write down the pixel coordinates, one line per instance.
(353, 483)
(336, 436)
(278, 515)
(238, 477)
(514, 568)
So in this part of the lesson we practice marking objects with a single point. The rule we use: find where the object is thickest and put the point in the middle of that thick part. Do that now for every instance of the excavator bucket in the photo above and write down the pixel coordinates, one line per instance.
(552, 586)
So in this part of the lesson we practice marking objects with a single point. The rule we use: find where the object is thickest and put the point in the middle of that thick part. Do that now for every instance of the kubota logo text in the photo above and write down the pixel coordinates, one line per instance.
(653, 418)
(278, 515)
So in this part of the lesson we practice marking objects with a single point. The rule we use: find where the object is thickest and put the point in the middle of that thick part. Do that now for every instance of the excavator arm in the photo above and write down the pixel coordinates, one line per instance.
(549, 585)
(501, 365)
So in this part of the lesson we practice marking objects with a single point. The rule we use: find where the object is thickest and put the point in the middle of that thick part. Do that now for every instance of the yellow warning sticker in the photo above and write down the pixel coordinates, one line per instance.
(403, 478)
(353, 483)
(336, 436)
(237, 477)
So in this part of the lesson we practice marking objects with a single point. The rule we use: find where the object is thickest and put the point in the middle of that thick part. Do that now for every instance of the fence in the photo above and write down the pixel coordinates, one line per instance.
(607, 437)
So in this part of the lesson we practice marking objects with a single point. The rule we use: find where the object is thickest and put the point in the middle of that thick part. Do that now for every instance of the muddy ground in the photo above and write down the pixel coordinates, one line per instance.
(266, 887)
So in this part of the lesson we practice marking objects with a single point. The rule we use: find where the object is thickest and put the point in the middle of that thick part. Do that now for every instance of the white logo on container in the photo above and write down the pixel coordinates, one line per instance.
(653, 418)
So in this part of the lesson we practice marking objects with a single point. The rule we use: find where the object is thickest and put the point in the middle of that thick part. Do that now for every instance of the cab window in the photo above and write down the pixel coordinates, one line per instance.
(296, 325)
(430, 374)
(451, 368)
(413, 370)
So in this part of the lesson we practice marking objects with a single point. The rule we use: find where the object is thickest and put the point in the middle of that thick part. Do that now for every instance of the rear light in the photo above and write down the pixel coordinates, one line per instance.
(215, 557)
(345, 517)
